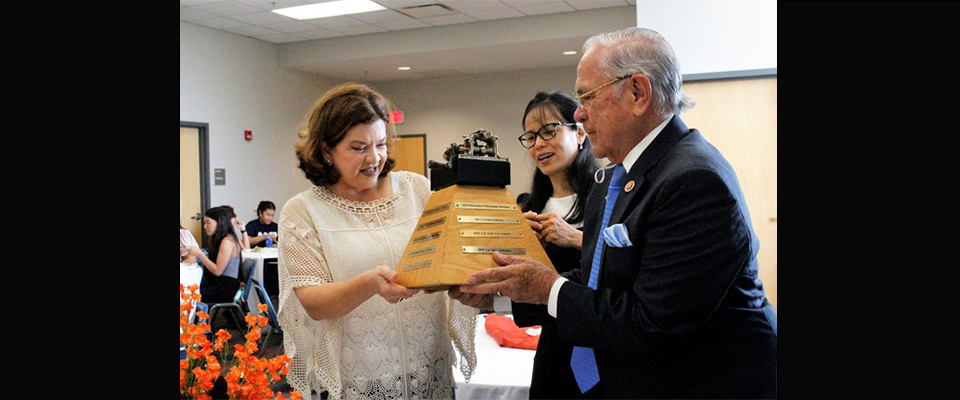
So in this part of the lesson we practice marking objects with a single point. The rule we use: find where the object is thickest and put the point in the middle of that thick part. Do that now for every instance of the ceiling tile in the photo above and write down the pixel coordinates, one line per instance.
(262, 18)
(449, 20)
(551, 8)
(227, 9)
(377, 17)
(469, 6)
(220, 23)
(402, 25)
(292, 27)
(593, 4)
(495, 14)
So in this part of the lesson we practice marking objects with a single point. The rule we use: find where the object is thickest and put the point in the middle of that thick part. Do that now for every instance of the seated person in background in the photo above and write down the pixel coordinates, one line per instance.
(187, 242)
(221, 269)
(263, 227)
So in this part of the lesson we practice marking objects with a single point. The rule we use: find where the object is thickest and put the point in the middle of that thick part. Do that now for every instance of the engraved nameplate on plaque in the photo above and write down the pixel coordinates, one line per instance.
(490, 234)
(426, 238)
(469, 219)
(435, 210)
(423, 252)
(432, 224)
(491, 250)
(413, 267)
(484, 206)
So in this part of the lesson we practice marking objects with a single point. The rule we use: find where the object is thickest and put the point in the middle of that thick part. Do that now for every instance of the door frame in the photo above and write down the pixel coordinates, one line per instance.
(204, 135)
(426, 171)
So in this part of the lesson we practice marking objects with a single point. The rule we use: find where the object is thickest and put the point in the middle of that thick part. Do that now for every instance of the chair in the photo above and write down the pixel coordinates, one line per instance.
(239, 306)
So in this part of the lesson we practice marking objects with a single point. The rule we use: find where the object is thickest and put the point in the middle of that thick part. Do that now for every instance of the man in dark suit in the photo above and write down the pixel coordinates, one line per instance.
(667, 302)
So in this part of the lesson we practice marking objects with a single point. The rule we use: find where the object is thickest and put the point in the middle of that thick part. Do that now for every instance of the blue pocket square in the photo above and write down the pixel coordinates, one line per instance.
(617, 236)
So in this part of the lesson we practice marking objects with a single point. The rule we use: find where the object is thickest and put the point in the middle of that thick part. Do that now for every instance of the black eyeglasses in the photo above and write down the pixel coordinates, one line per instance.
(546, 132)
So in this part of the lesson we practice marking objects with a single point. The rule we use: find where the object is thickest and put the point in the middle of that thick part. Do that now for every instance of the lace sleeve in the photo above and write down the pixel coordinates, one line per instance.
(463, 331)
(313, 347)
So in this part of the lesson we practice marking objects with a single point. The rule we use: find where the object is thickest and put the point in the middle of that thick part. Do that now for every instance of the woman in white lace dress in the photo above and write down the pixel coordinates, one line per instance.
(349, 329)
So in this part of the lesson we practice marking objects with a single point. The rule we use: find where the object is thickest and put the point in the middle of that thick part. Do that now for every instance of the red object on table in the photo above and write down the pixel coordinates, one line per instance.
(506, 333)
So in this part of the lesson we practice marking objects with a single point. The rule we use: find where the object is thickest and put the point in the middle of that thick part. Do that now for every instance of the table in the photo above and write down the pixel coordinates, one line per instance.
(190, 274)
(259, 256)
(502, 373)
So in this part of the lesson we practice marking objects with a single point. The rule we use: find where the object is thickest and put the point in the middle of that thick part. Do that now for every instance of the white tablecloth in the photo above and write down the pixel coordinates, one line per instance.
(260, 257)
(190, 274)
(502, 373)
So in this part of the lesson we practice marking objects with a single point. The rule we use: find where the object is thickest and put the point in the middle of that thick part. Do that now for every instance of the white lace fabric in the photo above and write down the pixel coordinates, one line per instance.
(379, 350)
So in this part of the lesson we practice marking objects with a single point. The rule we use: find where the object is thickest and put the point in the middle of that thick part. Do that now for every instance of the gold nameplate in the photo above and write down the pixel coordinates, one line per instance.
(426, 238)
(484, 206)
(491, 250)
(432, 224)
(435, 210)
(490, 234)
(414, 267)
(423, 252)
(487, 220)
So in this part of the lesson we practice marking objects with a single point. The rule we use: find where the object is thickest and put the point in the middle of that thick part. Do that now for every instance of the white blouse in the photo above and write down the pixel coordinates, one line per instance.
(379, 350)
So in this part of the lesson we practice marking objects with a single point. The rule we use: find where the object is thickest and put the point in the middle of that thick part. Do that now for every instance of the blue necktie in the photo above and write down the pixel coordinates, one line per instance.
(583, 362)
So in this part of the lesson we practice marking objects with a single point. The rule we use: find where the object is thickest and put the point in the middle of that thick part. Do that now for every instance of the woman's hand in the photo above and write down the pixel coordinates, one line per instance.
(384, 280)
(557, 231)
(194, 252)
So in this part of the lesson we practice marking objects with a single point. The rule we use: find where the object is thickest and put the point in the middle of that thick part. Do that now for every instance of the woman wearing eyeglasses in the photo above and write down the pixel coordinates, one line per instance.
(564, 176)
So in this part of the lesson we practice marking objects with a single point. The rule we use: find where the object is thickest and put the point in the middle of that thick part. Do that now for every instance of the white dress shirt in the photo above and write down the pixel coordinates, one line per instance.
(628, 163)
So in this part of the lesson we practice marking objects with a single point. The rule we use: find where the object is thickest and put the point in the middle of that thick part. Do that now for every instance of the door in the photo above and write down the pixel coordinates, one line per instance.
(410, 152)
(194, 192)
(739, 117)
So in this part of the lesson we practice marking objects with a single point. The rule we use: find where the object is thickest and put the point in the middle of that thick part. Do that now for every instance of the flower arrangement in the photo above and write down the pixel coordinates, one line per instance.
(249, 378)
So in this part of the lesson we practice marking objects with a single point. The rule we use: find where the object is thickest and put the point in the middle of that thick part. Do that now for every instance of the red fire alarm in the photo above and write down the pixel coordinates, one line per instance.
(248, 136)
(396, 117)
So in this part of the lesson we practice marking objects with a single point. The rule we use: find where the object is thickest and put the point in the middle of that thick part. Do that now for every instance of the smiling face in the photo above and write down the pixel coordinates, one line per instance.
(360, 157)
(552, 156)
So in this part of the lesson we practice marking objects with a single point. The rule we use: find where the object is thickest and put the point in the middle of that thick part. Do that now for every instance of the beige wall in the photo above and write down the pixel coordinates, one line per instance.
(445, 109)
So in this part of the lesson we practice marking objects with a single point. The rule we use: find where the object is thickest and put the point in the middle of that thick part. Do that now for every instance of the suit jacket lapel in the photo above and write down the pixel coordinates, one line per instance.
(668, 138)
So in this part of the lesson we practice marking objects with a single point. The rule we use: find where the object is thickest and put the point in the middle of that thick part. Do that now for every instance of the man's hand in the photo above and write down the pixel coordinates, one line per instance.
(478, 301)
(522, 280)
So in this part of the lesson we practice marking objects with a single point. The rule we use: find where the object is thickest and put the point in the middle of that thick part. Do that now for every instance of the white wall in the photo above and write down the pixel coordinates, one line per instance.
(711, 36)
(447, 108)
(235, 84)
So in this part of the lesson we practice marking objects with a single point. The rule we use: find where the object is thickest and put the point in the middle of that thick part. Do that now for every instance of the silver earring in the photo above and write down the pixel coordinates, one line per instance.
(581, 146)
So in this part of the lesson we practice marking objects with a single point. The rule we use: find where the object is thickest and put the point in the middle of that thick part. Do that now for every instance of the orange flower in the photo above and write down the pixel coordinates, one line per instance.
(194, 288)
(251, 320)
(203, 316)
(262, 307)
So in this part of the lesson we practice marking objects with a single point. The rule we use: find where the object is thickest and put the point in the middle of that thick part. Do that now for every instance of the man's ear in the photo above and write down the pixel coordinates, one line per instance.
(640, 93)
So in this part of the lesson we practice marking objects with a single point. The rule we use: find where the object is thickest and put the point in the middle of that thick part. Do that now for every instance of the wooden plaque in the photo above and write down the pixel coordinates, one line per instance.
(460, 228)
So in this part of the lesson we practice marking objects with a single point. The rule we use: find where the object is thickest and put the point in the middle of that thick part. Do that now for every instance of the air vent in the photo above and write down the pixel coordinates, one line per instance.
(427, 11)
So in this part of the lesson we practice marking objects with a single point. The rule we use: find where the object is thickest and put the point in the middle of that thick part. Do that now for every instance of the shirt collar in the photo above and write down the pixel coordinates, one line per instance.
(634, 155)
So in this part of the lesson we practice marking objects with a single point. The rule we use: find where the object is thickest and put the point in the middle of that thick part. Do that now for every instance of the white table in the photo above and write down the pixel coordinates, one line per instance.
(259, 256)
(502, 373)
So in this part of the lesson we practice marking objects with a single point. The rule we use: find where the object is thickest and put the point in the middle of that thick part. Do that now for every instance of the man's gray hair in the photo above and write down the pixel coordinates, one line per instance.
(637, 50)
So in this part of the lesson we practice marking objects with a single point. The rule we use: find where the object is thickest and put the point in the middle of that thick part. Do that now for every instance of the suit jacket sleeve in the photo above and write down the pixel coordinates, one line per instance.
(694, 244)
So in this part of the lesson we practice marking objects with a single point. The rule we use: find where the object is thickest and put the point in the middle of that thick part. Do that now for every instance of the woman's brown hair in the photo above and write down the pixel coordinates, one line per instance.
(338, 110)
